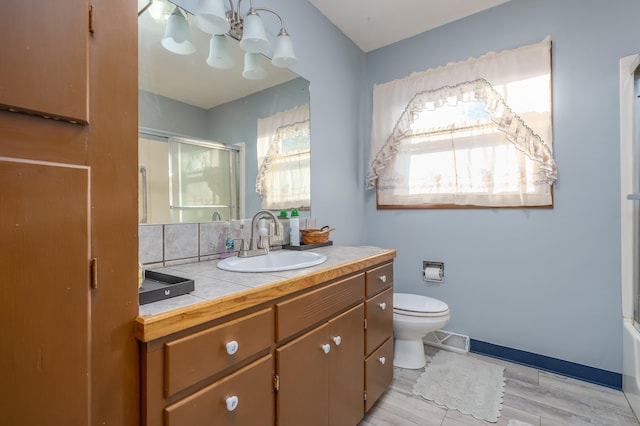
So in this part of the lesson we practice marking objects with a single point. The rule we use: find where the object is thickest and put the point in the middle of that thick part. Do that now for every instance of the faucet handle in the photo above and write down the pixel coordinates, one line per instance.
(253, 243)
(240, 244)
(264, 242)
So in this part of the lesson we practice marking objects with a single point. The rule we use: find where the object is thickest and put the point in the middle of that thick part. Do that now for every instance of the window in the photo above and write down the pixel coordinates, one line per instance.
(473, 143)
(284, 160)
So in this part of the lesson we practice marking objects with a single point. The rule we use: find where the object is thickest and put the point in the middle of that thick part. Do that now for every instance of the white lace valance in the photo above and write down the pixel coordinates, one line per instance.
(283, 179)
(516, 130)
(290, 131)
(397, 104)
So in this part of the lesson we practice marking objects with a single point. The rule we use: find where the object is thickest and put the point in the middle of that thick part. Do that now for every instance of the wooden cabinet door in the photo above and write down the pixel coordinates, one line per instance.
(44, 312)
(346, 368)
(44, 51)
(303, 367)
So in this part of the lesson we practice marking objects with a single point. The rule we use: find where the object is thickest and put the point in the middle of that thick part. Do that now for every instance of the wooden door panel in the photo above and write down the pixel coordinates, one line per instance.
(346, 368)
(303, 368)
(44, 317)
(44, 51)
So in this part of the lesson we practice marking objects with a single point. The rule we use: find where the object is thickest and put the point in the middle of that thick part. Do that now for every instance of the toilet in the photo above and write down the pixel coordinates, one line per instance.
(415, 316)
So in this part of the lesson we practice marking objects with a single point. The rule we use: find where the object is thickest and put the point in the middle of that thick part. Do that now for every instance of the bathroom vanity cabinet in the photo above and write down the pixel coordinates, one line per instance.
(313, 350)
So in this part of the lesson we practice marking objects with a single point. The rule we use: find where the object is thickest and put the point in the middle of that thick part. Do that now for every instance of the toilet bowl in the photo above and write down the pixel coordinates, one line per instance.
(414, 316)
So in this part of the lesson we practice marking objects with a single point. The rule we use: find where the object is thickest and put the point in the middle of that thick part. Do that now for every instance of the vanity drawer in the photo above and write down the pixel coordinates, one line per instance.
(198, 356)
(379, 315)
(251, 385)
(379, 278)
(301, 312)
(378, 373)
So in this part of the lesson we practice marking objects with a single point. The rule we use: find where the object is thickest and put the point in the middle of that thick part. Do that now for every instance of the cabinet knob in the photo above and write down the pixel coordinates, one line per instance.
(232, 347)
(383, 278)
(326, 348)
(382, 360)
(232, 403)
(337, 340)
(382, 305)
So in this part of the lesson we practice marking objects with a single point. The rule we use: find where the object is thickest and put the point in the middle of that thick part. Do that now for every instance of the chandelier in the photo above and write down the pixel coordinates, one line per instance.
(222, 21)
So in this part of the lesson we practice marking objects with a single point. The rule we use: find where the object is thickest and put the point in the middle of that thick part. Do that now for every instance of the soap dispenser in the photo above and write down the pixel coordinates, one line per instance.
(294, 226)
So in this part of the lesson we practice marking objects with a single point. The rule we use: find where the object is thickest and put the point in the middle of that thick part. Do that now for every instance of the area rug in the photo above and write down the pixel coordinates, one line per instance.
(463, 383)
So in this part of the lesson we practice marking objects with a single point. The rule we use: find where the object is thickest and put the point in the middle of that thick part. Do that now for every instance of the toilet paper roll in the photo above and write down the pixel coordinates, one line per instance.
(433, 274)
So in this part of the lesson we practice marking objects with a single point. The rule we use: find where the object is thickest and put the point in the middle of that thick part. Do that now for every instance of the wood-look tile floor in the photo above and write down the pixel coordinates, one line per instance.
(531, 397)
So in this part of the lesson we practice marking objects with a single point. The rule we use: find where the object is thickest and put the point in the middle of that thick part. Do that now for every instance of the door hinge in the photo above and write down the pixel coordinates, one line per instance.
(365, 395)
(91, 19)
(276, 382)
(93, 272)
(365, 323)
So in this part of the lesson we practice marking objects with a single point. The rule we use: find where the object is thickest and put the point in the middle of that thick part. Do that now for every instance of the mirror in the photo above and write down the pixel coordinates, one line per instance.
(183, 99)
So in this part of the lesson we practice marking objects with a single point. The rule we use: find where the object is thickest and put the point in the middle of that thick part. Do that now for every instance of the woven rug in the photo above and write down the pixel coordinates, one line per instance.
(463, 383)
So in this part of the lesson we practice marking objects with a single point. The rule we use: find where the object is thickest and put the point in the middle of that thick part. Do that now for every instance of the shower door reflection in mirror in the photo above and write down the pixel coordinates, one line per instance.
(183, 180)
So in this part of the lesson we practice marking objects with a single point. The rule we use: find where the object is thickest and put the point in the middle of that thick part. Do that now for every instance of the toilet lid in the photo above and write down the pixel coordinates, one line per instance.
(418, 303)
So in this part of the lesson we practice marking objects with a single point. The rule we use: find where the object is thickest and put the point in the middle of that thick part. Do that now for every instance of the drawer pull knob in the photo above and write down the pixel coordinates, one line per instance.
(326, 348)
(382, 360)
(383, 278)
(382, 305)
(232, 347)
(232, 403)
(337, 340)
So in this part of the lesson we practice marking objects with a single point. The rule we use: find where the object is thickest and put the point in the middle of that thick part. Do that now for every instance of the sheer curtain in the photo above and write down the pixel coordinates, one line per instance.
(284, 178)
(487, 119)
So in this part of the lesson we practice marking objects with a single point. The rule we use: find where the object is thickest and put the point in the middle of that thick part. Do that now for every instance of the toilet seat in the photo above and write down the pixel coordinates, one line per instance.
(419, 306)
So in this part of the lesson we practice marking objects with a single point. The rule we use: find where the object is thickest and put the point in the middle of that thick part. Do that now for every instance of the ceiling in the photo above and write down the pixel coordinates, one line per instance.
(372, 24)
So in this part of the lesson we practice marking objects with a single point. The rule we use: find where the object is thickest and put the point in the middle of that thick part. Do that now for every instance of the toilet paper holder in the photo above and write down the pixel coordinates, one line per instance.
(433, 271)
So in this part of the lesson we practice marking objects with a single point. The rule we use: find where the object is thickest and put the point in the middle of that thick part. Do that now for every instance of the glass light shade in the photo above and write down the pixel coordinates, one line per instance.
(220, 53)
(284, 56)
(254, 37)
(176, 36)
(253, 69)
(211, 17)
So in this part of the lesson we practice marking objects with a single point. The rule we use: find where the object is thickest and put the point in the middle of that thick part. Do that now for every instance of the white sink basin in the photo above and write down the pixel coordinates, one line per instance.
(283, 260)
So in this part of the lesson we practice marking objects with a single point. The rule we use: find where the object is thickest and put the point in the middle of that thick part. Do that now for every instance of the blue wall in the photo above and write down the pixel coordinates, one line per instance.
(542, 281)
(159, 113)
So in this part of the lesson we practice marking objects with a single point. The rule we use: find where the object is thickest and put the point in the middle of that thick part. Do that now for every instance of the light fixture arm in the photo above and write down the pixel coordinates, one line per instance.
(231, 8)
(145, 7)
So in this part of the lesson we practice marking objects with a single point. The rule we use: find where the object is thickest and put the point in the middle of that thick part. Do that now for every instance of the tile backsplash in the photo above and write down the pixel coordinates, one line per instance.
(177, 243)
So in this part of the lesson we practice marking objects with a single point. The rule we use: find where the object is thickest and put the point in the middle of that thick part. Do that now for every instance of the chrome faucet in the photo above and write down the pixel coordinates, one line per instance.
(256, 247)
(216, 215)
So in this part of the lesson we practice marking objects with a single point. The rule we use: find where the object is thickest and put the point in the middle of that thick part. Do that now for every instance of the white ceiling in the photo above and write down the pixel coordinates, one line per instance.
(372, 24)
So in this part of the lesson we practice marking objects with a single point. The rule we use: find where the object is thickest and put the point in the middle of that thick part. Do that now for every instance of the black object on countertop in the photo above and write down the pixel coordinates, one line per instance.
(306, 246)
(158, 286)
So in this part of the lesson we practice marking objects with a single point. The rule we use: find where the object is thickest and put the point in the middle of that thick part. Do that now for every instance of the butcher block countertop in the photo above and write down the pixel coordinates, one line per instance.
(220, 293)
